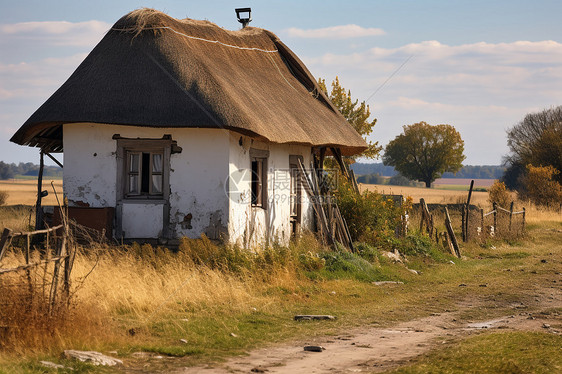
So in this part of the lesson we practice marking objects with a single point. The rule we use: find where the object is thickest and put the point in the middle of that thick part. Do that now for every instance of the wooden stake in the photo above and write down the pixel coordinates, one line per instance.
(466, 234)
(522, 227)
(495, 206)
(510, 216)
(4, 242)
(451, 233)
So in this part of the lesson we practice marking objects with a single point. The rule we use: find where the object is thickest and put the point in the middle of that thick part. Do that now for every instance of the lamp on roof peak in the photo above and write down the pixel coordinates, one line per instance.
(244, 16)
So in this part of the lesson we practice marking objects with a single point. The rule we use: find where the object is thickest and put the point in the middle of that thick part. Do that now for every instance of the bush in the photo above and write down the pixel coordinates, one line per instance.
(540, 186)
(369, 216)
(372, 179)
(498, 193)
(3, 198)
(400, 180)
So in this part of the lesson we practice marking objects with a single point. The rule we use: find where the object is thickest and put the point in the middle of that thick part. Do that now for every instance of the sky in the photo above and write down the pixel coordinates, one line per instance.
(480, 66)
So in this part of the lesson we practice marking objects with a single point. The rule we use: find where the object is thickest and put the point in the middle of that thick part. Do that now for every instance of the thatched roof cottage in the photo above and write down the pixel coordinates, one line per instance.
(179, 127)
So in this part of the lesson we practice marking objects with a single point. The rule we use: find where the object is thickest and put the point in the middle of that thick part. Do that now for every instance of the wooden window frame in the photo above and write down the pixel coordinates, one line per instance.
(126, 147)
(259, 179)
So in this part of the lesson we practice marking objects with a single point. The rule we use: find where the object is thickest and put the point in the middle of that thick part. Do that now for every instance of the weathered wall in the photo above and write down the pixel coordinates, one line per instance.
(198, 202)
(254, 226)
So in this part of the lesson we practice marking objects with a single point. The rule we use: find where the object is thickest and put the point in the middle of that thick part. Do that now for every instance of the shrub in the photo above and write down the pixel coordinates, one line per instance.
(3, 198)
(540, 186)
(400, 180)
(498, 193)
(370, 217)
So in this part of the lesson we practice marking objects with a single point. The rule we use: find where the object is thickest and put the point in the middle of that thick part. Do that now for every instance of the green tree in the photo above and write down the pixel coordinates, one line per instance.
(424, 152)
(357, 114)
(536, 140)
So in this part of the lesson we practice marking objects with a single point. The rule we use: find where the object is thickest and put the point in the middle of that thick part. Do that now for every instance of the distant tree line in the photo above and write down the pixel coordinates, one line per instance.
(9, 171)
(468, 171)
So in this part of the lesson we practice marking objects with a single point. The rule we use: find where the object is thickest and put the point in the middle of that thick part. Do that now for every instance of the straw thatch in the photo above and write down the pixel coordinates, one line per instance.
(156, 71)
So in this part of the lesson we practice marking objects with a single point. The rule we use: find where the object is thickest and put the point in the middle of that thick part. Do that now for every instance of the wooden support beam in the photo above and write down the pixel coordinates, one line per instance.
(38, 209)
(54, 159)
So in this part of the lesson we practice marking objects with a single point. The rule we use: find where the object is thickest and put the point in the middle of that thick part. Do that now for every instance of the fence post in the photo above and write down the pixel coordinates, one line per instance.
(510, 216)
(422, 214)
(523, 225)
(463, 226)
(482, 229)
(495, 206)
(4, 241)
(451, 233)
(466, 235)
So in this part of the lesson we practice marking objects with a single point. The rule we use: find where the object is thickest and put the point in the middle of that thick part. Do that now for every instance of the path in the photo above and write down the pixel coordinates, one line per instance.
(380, 349)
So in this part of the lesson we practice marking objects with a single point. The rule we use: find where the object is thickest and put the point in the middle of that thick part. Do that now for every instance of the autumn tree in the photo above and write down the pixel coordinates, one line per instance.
(357, 114)
(538, 184)
(537, 141)
(424, 152)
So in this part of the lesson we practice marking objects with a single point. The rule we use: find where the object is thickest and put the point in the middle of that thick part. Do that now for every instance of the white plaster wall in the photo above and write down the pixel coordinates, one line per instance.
(255, 226)
(197, 177)
(90, 166)
(145, 215)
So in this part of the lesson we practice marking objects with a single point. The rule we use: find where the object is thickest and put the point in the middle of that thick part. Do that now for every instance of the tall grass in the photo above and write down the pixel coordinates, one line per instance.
(127, 290)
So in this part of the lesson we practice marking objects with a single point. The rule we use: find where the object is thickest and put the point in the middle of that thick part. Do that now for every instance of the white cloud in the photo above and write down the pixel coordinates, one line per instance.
(481, 88)
(335, 32)
(58, 33)
(37, 79)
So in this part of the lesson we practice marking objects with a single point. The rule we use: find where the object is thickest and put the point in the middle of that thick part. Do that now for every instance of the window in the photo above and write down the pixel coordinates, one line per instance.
(259, 177)
(144, 173)
(144, 167)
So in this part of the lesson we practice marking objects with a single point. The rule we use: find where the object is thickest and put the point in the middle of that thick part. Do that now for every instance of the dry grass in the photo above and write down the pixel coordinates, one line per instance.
(25, 191)
(534, 214)
(431, 195)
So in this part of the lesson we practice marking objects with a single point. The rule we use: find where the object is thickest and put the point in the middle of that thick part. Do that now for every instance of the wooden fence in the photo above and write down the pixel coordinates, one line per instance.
(40, 248)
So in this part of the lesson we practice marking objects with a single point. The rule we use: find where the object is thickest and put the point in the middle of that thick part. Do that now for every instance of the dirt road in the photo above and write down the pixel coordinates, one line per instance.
(379, 349)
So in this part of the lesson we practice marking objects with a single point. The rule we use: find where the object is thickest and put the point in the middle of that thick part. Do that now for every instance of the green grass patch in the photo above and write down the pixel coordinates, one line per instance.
(511, 352)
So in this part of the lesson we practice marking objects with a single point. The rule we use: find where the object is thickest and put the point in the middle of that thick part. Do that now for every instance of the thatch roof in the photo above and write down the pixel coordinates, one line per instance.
(156, 71)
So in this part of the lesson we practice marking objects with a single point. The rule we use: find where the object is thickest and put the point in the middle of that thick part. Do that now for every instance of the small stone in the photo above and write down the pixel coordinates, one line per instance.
(314, 348)
(545, 326)
(51, 365)
(333, 293)
(233, 335)
(544, 261)
(184, 341)
(380, 283)
(255, 309)
(96, 358)
(258, 370)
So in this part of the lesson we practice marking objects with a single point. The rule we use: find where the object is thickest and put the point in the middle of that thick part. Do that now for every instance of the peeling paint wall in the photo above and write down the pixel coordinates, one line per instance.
(251, 226)
(197, 177)
(205, 195)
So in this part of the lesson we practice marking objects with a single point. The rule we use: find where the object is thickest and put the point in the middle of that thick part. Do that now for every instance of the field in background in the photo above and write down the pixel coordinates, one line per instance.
(25, 191)
(431, 195)
(478, 183)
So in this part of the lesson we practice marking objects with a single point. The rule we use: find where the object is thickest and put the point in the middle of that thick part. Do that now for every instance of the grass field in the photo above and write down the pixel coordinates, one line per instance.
(142, 299)
(431, 195)
(25, 191)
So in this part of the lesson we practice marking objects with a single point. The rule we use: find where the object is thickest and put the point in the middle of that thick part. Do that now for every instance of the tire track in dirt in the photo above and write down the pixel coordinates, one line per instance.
(371, 349)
